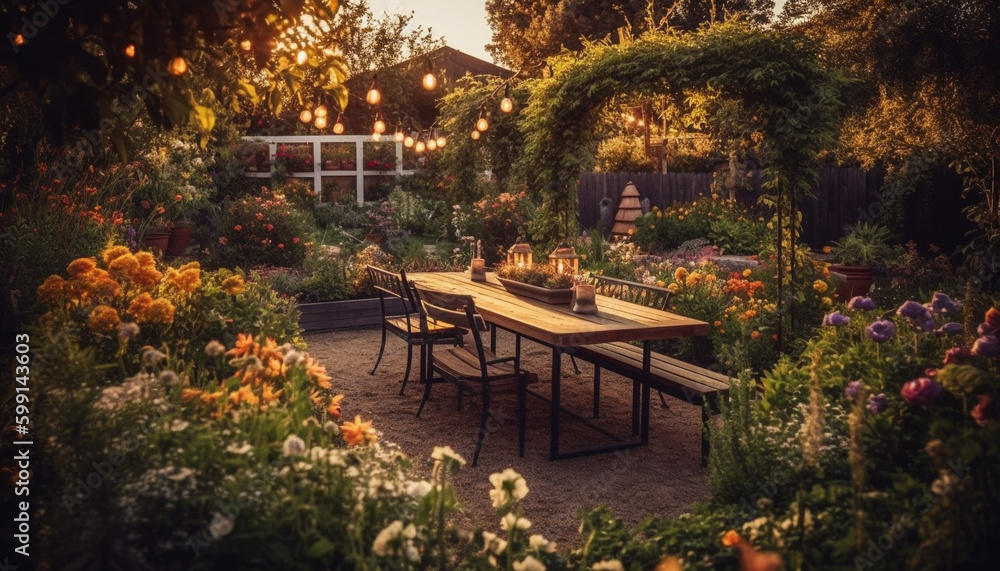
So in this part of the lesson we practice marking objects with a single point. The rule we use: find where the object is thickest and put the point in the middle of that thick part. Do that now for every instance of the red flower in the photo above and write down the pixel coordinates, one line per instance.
(295, 240)
(270, 227)
(281, 246)
(238, 228)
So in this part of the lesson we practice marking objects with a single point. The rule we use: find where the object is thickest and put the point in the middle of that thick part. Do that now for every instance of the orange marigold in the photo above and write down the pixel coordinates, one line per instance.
(52, 289)
(80, 266)
(140, 307)
(146, 259)
(123, 266)
(114, 252)
(730, 538)
(233, 285)
(162, 311)
(97, 283)
(334, 407)
(357, 433)
(185, 279)
(103, 319)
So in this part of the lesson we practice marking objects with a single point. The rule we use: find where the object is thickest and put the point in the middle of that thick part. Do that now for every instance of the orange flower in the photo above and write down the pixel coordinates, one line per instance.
(103, 319)
(140, 306)
(52, 289)
(162, 311)
(245, 394)
(244, 345)
(209, 398)
(318, 373)
(81, 266)
(233, 285)
(110, 254)
(730, 538)
(122, 267)
(268, 394)
(680, 274)
(357, 433)
(188, 394)
(717, 323)
(755, 335)
(334, 407)
(185, 279)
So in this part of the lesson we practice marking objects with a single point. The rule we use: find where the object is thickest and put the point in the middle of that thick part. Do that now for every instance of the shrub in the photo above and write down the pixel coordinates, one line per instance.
(325, 278)
(496, 220)
(357, 270)
(727, 224)
(540, 275)
(262, 229)
(623, 154)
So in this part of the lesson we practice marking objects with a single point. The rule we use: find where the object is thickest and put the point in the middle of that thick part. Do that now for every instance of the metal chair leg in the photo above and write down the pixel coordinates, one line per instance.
(409, 363)
(663, 401)
(380, 350)
(483, 422)
(522, 397)
(572, 359)
(427, 394)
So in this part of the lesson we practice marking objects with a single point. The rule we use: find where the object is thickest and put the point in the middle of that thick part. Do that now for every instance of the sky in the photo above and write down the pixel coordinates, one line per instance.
(461, 22)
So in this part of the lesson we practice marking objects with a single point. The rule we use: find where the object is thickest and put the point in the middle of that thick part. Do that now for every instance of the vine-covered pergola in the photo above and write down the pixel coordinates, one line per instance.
(766, 87)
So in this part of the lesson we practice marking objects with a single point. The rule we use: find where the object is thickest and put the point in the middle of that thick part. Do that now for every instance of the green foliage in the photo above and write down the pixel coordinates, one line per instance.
(498, 221)
(540, 275)
(260, 229)
(865, 245)
(357, 270)
(325, 278)
(623, 154)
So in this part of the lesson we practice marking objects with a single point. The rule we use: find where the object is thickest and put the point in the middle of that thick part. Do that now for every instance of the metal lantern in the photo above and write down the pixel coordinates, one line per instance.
(564, 259)
(519, 254)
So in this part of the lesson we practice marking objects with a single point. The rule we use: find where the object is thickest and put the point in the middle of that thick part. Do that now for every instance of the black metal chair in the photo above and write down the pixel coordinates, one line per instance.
(472, 364)
(408, 323)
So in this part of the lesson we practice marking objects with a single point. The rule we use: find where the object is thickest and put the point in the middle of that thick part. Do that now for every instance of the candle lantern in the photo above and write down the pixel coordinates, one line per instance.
(519, 254)
(564, 259)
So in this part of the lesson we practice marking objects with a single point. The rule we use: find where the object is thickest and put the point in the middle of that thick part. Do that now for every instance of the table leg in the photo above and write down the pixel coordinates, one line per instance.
(556, 409)
(493, 339)
(645, 391)
(517, 352)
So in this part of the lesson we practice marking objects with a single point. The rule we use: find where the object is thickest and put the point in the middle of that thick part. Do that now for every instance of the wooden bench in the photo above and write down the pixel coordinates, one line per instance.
(684, 381)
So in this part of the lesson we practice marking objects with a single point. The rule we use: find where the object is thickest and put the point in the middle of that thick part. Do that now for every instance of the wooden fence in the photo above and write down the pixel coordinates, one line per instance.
(842, 196)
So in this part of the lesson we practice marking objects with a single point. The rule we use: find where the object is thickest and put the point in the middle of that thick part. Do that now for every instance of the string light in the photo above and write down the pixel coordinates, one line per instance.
(408, 141)
(374, 96)
(246, 45)
(376, 136)
(320, 111)
(430, 80)
(338, 127)
(419, 147)
(306, 116)
(130, 51)
(398, 136)
(506, 105)
(177, 66)
(432, 144)
(475, 135)
(301, 57)
(379, 126)
(482, 124)
(441, 141)
(320, 122)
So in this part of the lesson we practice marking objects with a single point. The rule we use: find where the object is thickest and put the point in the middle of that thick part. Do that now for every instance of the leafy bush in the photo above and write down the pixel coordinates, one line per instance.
(357, 269)
(623, 154)
(262, 229)
(736, 231)
(727, 224)
(540, 275)
(496, 220)
(325, 278)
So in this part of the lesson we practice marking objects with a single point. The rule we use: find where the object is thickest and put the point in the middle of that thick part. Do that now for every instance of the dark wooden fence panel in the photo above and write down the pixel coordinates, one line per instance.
(841, 196)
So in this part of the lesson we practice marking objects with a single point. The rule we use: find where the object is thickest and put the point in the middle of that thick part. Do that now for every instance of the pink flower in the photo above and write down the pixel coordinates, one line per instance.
(921, 392)
(985, 411)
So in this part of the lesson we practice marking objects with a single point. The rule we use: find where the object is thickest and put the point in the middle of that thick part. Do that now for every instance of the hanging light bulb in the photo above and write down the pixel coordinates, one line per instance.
(398, 136)
(320, 122)
(130, 51)
(475, 135)
(506, 104)
(338, 127)
(441, 141)
(419, 147)
(374, 96)
(306, 116)
(376, 136)
(301, 57)
(245, 45)
(320, 111)
(177, 66)
(408, 141)
(379, 126)
(430, 80)
(482, 124)
(432, 144)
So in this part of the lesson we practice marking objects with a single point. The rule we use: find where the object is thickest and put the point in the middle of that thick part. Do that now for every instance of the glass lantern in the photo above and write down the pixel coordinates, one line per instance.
(519, 254)
(565, 260)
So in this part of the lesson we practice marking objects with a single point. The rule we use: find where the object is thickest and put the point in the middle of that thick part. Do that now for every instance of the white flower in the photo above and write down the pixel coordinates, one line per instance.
(293, 446)
(178, 425)
(507, 485)
(511, 521)
(152, 357)
(220, 525)
(239, 448)
(412, 553)
(609, 565)
(179, 475)
(214, 349)
(529, 564)
(169, 378)
(442, 453)
(539, 543)
(317, 453)
(390, 533)
(494, 543)
(293, 357)
(418, 490)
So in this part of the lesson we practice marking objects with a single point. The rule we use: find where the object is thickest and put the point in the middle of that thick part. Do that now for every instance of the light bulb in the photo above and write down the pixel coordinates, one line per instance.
(430, 81)
(374, 96)
(482, 124)
(432, 144)
(130, 51)
(475, 135)
(376, 136)
(398, 137)
(301, 57)
(441, 141)
(419, 147)
(320, 111)
(338, 127)
(320, 122)
(177, 66)
(306, 116)
(408, 141)
(379, 126)
(506, 105)
(642, 123)
(246, 45)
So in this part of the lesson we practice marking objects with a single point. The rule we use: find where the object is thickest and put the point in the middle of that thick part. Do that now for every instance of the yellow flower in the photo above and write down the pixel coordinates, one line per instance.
(244, 345)
(103, 319)
(123, 267)
(747, 272)
(659, 283)
(673, 288)
(185, 279)
(693, 279)
(827, 301)
(820, 286)
(245, 394)
(680, 274)
(233, 285)
(357, 433)
(318, 373)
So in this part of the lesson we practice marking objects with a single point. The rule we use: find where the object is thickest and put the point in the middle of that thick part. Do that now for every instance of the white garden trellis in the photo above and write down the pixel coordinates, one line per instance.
(318, 173)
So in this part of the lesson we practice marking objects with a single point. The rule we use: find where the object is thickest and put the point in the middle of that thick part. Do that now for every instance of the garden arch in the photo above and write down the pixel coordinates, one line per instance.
(767, 87)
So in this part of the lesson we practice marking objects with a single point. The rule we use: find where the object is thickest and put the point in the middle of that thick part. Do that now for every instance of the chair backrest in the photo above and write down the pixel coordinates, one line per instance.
(456, 310)
(391, 284)
(642, 294)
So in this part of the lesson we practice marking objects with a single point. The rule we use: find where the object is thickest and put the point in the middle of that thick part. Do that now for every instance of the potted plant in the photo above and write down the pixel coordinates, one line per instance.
(537, 281)
(864, 246)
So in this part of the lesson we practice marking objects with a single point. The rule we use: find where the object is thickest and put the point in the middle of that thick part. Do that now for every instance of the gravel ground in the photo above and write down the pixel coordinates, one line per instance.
(663, 478)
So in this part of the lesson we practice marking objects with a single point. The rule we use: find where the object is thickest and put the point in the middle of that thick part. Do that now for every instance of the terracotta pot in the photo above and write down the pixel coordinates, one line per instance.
(852, 280)
(157, 239)
(180, 237)
(347, 165)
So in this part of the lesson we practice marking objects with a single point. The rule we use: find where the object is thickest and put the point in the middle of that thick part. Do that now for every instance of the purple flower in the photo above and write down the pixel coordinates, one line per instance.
(986, 329)
(835, 319)
(954, 356)
(852, 390)
(920, 392)
(941, 303)
(987, 346)
(877, 403)
(881, 331)
(861, 303)
(951, 328)
(918, 315)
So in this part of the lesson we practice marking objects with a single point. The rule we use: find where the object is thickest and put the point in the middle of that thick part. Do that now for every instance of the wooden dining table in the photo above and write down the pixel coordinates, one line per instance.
(558, 327)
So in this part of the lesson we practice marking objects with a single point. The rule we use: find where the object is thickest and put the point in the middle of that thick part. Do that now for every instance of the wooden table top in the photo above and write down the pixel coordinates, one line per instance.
(557, 325)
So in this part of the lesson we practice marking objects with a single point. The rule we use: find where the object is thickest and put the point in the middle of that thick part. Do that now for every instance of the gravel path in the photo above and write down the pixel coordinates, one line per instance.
(662, 479)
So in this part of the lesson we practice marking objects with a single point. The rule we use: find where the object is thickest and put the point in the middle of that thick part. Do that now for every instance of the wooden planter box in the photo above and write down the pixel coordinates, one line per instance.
(350, 314)
(552, 296)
